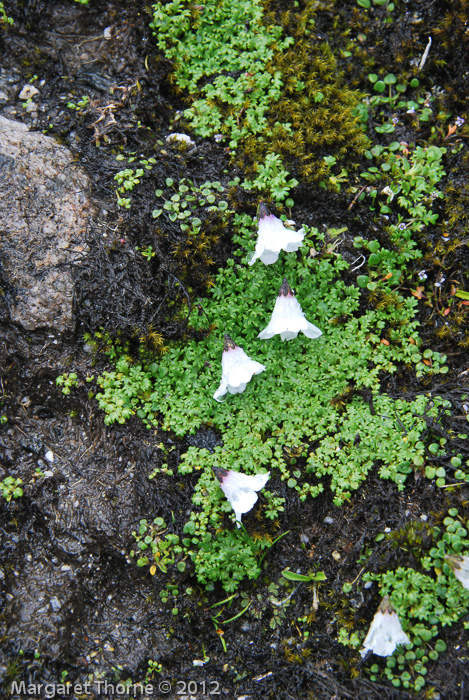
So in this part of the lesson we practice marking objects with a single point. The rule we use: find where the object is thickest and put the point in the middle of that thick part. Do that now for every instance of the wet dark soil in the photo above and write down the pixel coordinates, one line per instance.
(73, 605)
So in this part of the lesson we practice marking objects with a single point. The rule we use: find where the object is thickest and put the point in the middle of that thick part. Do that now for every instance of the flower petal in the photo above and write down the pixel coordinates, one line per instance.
(460, 566)
(221, 391)
(237, 369)
(273, 237)
(385, 632)
(287, 318)
(240, 489)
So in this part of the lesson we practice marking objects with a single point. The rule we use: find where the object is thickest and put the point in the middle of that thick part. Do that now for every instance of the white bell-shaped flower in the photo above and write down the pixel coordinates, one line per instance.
(274, 237)
(288, 318)
(237, 369)
(385, 632)
(240, 489)
(460, 566)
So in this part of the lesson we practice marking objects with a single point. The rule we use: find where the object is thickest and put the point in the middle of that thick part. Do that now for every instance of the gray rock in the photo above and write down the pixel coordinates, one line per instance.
(44, 210)
(55, 604)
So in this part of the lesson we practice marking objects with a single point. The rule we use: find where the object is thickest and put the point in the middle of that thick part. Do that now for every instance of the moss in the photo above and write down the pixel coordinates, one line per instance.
(315, 101)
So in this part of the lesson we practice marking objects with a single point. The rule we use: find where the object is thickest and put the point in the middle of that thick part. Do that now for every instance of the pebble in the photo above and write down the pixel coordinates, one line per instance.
(183, 138)
(49, 456)
(55, 604)
(328, 520)
(27, 92)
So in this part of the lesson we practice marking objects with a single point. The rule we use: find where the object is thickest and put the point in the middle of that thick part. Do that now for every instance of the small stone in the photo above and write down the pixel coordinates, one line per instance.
(182, 138)
(328, 520)
(368, 584)
(55, 604)
(49, 456)
(107, 33)
(336, 556)
(424, 517)
(28, 92)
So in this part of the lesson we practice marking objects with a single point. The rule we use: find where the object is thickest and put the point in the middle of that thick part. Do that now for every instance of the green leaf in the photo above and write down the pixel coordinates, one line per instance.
(291, 576)
(362, 281)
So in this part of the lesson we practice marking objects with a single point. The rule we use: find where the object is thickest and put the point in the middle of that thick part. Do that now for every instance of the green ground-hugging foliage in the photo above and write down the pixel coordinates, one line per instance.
(220, 55)
(295, 406)
(233, 59)
(317, 416)
(427, 598)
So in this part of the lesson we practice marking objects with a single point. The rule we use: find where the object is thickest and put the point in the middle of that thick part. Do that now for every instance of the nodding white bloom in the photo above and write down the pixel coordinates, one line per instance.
(385, 632)
(288, 318)
(274, 237)
(240, 489)
(237, 369)
(460, 566)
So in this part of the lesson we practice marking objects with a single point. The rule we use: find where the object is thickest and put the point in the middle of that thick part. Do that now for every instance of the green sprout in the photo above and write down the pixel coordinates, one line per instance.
(11, 488)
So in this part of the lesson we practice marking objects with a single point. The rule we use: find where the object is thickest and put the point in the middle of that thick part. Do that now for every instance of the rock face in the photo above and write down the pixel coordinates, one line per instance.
(44, 210)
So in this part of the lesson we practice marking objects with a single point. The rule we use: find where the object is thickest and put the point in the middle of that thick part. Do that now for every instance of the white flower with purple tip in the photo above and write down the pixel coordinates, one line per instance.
(385, 632)
(237, 369)
(240, 489)
(287, 318)
(274, 237)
